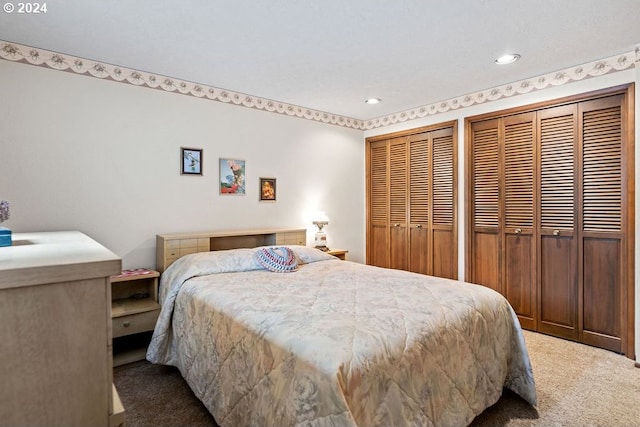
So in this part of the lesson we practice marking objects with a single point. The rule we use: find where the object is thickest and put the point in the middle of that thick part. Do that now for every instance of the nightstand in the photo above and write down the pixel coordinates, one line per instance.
(134, 311)
(338, 253)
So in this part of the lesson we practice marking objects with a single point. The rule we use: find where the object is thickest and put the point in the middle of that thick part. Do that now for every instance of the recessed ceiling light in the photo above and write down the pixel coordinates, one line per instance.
(373, 100)
(507, 59)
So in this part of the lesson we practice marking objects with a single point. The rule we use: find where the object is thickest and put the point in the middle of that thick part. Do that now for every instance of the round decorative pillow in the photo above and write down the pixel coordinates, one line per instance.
(277, 259)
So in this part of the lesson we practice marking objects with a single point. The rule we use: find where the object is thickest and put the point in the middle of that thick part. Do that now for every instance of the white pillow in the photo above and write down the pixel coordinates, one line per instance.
(308, 254)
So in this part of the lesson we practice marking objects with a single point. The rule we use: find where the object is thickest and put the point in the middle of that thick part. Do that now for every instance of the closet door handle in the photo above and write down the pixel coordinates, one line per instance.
(556, 232)
(419, 226)
(396, 225)
(518, 230)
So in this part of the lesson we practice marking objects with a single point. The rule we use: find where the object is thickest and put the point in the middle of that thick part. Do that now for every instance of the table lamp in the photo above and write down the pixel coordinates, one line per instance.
(321, 236)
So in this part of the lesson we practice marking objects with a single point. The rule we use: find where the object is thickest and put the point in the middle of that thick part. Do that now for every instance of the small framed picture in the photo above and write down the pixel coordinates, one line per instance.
(268, 189)
(232, 176)
(191, 161)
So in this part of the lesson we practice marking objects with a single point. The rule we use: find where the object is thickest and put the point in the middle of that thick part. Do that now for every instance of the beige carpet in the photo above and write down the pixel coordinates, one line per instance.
(577, 386)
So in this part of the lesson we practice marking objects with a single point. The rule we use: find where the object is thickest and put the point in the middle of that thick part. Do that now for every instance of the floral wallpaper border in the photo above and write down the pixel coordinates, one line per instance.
(61, 62)
(592, 69)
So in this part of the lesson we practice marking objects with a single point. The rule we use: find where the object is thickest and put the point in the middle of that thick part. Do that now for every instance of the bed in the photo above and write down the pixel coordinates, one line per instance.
(335, 343)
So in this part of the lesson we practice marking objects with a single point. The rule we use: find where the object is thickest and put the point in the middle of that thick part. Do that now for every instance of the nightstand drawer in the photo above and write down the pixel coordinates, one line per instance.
(134, 323)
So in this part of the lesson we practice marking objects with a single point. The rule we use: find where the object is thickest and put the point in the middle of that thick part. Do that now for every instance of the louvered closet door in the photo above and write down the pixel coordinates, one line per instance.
(411, 201)
(398, 199)
(378, 204)
(602, 223)
(519, 138)
(557, 129)
(486, 249)
(431, 205)
(420, 249)
(444, 245)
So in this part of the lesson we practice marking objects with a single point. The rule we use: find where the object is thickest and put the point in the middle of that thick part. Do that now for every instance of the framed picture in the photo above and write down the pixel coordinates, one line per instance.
(232, 176)
(191, 161)
(268, 189)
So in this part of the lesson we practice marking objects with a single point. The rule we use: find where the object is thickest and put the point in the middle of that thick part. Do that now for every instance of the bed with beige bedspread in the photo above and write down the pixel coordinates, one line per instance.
(336, 343)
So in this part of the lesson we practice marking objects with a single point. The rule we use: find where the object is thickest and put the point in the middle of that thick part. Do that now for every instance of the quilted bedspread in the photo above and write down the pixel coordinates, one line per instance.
(336, 343)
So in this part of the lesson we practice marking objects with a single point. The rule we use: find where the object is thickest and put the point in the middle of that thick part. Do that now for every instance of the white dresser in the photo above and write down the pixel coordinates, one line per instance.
(56, 365)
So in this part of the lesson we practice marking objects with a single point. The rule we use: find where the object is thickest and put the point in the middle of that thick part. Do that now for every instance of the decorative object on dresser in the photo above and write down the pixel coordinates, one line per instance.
(55, 331)
(191, 161)
(5, 233)
(134, 311)
(232, 176)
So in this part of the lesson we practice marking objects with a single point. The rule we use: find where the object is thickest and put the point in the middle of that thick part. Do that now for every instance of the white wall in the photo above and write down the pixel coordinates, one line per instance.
(104, 158)
(587, 85)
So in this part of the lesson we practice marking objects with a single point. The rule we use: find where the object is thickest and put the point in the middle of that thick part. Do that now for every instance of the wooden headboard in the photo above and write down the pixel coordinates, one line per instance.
(170, 247)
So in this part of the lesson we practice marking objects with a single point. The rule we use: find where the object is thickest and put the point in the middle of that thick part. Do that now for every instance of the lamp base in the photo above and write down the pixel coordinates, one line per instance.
(321, 239)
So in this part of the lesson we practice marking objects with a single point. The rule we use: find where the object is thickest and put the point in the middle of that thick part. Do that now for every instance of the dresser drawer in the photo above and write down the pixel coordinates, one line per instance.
(134, 323)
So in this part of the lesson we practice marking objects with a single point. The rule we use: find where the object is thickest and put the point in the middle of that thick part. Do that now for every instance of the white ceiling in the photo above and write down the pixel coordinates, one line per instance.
(330, 55)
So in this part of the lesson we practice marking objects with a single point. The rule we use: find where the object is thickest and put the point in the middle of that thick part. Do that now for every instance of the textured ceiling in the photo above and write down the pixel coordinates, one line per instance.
(330, 55)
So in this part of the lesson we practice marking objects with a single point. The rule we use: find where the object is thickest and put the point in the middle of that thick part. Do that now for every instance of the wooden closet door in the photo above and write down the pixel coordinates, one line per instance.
(420, 167)
(411, 200)
(601, 298)
(519, 139)
(398, 199)
(443, 216)
(378, 239)
(551, 212)
(484, 256)
(557, 129)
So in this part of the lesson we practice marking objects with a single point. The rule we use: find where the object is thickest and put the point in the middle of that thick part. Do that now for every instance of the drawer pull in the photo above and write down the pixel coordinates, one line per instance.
(126, 324)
